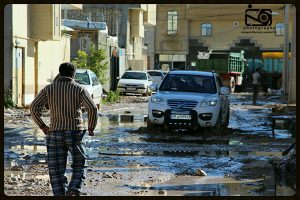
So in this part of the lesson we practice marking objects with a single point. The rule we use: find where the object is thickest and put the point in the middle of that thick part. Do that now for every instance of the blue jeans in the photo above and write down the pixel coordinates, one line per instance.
(58, 145)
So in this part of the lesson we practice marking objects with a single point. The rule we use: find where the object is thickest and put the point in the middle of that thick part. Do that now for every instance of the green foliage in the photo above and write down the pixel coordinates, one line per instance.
(94, 61)
(112, 96)
(8, 102)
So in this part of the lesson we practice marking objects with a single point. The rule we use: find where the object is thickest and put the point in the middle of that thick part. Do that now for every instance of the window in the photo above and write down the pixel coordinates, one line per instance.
(172, 22)
(84, 42)
(94, 79)
(154, 73)
(189, 83)
(82, 78)
(206, 29)
(279, 27)
(134, 75)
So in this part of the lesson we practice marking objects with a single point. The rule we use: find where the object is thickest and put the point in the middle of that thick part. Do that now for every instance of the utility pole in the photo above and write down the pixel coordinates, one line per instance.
(292, 79)
(285, 75)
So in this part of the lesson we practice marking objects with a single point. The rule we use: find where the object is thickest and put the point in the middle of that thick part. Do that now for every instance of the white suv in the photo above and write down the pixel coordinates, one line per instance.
(189, 100)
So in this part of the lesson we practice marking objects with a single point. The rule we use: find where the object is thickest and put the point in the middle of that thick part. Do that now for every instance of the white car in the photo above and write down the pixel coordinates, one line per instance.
(135, 82)
(90, 82)
(189, 100)
(156, 75)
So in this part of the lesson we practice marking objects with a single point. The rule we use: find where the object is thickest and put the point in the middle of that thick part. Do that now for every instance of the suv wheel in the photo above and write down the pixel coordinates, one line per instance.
(227, 120)
(217, 129)
(232, 84)
(150, 126)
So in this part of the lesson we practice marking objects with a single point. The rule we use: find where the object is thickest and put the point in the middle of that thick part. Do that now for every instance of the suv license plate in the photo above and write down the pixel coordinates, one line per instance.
(131, 89)
(185, 117)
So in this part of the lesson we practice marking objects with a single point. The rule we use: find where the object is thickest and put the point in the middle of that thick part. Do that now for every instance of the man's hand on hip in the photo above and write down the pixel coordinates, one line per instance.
(45, 130)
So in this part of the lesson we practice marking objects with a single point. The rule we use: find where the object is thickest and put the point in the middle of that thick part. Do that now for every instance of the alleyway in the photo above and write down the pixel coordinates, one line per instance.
(124, 159)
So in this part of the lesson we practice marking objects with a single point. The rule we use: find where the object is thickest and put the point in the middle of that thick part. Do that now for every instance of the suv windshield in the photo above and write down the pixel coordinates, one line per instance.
(189, 83)
(134, 75)
(82, 78)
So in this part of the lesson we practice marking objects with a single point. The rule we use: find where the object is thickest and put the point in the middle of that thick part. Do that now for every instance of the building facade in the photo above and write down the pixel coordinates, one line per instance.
(34, 48)
(84, 33)
(184, 30)
(128, 22)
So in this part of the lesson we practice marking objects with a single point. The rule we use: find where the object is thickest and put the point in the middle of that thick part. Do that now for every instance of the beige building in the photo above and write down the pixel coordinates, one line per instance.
(183, 30)
(34, 48)
(140, 18)
(132, 24)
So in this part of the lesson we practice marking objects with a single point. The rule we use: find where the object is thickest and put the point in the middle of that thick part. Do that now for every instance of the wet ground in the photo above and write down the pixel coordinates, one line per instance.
(125, 159)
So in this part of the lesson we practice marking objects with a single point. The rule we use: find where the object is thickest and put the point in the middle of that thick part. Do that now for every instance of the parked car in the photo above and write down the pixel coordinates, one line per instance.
(189, 100)
(135, 82)
(90, 82)
(156, 75)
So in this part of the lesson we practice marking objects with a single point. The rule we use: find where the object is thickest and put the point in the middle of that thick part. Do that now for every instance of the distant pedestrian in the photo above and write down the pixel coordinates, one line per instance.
(64, 98)
(256, 82)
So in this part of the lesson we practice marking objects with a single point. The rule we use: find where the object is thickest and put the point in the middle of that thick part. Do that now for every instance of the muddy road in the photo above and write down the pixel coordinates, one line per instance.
(125, 159)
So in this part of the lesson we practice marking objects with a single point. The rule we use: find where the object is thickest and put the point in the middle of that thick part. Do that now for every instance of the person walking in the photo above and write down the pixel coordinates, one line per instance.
(256, 81)
(65, 98)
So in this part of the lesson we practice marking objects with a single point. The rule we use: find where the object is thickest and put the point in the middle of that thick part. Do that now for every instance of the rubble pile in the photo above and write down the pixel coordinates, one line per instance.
(285, 168)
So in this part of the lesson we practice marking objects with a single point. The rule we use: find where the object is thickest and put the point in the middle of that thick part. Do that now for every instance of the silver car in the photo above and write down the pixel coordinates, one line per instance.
(189, 100)
(156, 75)
(137, 82)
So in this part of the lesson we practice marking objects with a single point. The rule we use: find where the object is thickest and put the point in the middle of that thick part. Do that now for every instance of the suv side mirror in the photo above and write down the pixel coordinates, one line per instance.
(224, 91)
(153, 87)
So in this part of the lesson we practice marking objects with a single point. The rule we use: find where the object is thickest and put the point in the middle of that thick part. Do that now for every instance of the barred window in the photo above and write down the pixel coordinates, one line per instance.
(279, 29)
(206, 29)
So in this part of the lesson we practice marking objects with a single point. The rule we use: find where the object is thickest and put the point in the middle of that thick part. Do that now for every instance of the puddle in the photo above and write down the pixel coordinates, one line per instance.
(209, 186)
(116, 146)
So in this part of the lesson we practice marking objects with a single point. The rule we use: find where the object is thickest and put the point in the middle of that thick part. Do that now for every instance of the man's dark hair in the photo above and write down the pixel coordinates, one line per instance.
(67, 69)
(258, 69)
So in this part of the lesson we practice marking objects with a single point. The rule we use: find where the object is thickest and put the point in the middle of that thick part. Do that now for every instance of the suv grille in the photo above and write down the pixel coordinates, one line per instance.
(182, 104)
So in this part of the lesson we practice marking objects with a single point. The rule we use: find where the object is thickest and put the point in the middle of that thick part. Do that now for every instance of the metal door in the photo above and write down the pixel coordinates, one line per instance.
(19, 77)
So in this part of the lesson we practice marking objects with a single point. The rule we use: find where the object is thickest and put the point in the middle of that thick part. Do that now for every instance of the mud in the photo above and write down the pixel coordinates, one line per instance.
(125, 159)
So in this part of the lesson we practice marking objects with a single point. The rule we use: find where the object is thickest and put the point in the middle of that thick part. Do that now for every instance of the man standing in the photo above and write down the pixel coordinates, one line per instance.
(64, 98)
(256, 77)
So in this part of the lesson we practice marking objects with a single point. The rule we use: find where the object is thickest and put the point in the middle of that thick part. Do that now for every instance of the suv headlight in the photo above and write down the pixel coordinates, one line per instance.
(155, 99)
(209, 102)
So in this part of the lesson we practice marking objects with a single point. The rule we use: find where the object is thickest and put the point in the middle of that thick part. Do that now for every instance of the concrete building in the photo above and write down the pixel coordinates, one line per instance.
(34, 48)
(83, 33)
(129, 23)
(183, 30)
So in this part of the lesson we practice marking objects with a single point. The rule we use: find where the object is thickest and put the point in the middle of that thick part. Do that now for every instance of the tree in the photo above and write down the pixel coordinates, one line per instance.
(95, 61)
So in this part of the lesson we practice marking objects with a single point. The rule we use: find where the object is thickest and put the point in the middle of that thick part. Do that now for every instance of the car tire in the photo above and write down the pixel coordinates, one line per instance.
(232, 84)
(227, 120)
(217, 129)
(150, 126)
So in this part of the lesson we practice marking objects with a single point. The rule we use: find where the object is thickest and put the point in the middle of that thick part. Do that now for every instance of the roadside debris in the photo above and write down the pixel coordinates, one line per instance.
(200, 172)
(163, 192)
(279, 92)
(106, 175)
